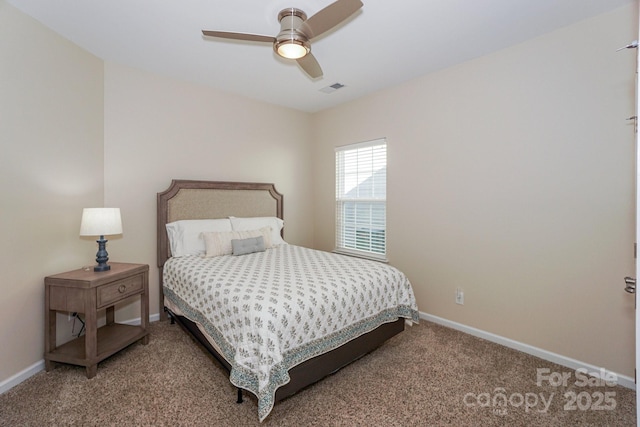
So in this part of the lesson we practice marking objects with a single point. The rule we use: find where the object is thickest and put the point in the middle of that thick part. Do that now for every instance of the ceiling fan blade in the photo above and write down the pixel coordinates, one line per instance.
(329, 17)
(310, 65)
(239, 36)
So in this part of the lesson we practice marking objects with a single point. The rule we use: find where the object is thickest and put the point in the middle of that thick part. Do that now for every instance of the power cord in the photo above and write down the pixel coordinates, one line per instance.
(73, 326)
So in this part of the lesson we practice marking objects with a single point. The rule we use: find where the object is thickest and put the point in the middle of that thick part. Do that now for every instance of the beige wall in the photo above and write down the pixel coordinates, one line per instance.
(158, 129)
(512, 177)
(51, 166)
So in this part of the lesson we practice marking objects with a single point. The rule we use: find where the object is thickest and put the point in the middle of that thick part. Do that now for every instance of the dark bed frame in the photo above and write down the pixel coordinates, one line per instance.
(188, 199)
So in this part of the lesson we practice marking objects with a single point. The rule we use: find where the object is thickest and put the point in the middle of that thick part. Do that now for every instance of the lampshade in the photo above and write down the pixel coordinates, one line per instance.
(100, 222)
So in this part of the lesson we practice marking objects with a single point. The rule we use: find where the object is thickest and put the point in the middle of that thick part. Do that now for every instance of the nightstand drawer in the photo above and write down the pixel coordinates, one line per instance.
(119, 290)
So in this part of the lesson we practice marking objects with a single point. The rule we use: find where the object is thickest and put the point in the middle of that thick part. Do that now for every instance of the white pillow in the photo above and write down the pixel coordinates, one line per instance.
(184, 235)
(276, 224)
(220, 243)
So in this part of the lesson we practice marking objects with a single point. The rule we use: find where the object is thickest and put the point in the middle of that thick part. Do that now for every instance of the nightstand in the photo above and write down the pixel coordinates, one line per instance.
(86, 292)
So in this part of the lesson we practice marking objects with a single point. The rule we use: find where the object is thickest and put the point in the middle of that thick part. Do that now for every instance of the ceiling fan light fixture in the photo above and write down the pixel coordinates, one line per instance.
(292, 49)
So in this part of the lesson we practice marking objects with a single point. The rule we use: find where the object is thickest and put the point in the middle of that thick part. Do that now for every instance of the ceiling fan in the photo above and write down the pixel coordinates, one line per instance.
(296, 32)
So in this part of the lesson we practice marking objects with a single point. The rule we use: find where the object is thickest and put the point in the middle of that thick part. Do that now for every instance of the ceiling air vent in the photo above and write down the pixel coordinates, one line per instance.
(330, 89)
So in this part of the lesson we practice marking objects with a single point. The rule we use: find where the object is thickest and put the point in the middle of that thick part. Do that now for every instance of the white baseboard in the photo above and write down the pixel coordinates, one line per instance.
(30, 371)
(136, 321)
(623, 380)
(16, 379)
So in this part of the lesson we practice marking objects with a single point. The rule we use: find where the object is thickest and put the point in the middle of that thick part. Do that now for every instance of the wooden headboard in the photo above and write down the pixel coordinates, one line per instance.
(188, 199)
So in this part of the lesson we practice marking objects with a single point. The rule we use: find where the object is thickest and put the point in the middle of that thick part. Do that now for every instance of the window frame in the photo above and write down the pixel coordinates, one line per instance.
(378, 197)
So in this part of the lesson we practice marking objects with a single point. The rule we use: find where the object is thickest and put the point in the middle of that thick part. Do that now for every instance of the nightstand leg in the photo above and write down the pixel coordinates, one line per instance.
(50, 329)
(91, 333)
(50, 338)
(144, 308)
(92, 371)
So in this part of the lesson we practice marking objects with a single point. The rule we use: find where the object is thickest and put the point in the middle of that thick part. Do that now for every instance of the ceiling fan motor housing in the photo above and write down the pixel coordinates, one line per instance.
(290, 37)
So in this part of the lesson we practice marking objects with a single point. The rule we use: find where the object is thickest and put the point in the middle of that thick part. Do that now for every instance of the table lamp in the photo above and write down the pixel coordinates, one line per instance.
(101, 222)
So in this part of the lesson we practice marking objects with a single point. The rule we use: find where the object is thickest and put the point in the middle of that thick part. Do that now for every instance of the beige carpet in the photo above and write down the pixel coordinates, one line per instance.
(429, 375)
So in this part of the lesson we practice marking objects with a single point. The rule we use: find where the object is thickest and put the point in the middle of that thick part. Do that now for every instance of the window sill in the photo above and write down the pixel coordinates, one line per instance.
(361, 255)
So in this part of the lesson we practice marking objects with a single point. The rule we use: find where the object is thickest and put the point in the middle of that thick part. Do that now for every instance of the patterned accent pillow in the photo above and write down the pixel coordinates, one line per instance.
(219, 243)
(248, 246)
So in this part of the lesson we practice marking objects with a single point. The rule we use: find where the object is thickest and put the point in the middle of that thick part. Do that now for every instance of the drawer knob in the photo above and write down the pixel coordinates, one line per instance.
(122, 289)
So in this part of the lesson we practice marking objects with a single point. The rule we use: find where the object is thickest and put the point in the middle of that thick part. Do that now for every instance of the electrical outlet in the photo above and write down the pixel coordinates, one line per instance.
(459, 296)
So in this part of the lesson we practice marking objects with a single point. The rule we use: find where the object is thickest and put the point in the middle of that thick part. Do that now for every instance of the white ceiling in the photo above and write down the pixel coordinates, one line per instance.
(385, 43)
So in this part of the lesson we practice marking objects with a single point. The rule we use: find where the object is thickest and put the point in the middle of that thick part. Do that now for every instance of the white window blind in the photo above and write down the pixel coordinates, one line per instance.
(361, 198)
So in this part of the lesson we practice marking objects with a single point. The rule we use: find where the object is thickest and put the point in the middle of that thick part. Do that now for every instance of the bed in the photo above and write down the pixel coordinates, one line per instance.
(278, 317)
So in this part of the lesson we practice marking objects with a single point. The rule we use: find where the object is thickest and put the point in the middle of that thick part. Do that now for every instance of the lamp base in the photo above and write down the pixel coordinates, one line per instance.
(103, 267)
(102, 256)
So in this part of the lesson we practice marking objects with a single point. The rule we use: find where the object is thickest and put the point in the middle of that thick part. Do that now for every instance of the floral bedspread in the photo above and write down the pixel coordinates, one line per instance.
(270, 311)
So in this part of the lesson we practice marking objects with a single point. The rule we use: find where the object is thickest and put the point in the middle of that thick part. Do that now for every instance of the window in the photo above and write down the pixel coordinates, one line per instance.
(361, 194)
